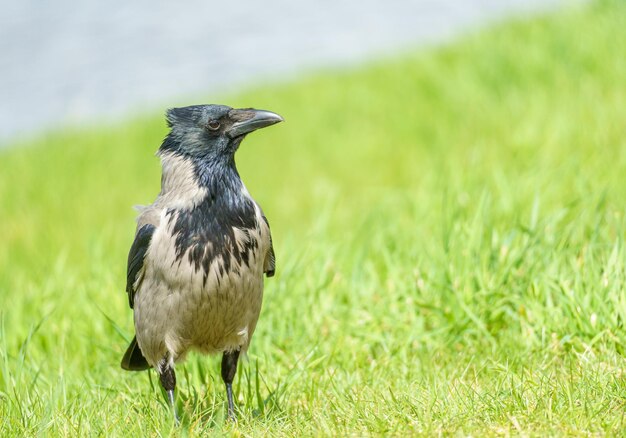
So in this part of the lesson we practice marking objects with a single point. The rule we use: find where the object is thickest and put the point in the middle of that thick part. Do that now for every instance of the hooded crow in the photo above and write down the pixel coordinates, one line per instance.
(195, 268)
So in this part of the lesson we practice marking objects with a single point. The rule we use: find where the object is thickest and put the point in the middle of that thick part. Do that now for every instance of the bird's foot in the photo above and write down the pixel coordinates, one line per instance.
(231, 404)
(172, 401)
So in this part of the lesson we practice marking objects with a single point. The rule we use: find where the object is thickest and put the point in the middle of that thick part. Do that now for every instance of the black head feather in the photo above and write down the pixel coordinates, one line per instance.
(212, 132)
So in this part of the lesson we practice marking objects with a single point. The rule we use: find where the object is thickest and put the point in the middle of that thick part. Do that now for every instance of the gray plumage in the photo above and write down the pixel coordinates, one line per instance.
(195, 269)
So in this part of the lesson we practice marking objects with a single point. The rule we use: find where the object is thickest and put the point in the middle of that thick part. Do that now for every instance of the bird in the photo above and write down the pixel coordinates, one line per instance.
(201, 250)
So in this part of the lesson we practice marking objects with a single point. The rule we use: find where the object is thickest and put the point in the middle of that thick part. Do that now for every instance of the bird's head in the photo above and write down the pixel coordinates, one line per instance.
(212, 131)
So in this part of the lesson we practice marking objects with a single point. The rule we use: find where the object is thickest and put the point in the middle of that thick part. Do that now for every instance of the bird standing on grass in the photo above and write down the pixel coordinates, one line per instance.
(195, 268)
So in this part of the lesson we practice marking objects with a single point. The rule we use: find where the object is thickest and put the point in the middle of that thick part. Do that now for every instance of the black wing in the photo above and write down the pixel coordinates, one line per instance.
(269, 265)
(135, 259)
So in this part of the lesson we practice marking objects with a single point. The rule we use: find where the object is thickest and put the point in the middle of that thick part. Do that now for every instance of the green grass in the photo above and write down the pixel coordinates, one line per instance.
(450, 233)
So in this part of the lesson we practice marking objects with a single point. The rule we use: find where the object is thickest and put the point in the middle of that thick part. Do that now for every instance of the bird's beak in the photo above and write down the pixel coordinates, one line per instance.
(248, 120)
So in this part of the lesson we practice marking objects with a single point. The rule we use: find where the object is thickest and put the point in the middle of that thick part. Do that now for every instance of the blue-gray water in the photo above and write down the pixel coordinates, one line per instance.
(67, 62)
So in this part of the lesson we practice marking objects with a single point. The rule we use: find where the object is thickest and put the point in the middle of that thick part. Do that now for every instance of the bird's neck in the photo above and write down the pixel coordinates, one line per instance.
(185, 178)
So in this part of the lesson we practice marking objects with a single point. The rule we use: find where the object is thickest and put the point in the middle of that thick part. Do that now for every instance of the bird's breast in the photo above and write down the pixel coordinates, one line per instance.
(202, 250)
(203, 284)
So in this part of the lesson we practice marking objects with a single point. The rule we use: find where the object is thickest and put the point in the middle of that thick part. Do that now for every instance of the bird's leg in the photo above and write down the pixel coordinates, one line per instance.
(168, 381)
(229, 369)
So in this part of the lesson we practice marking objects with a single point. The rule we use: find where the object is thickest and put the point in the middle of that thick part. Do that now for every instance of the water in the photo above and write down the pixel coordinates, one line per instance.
(68, 62)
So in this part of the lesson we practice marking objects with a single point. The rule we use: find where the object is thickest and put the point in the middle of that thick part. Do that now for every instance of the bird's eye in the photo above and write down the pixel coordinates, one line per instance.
(213, 125)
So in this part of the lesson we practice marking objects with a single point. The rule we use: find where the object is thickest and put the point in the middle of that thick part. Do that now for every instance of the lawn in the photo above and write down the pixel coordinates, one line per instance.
(450, 235)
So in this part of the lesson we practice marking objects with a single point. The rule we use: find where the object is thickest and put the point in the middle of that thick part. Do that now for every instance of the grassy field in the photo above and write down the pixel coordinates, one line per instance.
(450, 233)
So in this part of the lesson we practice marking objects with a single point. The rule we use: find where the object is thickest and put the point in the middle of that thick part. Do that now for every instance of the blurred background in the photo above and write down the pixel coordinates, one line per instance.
(67, 62)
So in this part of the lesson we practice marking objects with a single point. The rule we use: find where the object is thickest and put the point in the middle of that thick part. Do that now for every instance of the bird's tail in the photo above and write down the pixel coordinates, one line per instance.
(133, 359)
